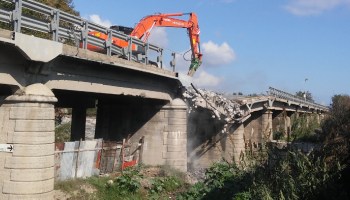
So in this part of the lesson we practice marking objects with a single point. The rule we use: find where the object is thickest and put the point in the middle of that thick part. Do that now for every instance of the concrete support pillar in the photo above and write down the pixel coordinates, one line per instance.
(237, 138)
(102, 121)
(27, 123)
(288, 123)
(322, 117)
(78, 123)
(308, 119)
(318, 119)
(267, 125)
(176, 135)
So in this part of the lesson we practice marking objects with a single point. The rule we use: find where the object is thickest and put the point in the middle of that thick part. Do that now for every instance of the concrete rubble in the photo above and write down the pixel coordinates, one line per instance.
(222, 108)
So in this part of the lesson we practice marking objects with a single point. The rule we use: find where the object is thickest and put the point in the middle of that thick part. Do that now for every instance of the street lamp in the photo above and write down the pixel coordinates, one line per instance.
(306, 79)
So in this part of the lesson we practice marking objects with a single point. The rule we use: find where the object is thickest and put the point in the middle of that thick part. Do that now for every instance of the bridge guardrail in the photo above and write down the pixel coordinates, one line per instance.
(64, 26)
(285, 95)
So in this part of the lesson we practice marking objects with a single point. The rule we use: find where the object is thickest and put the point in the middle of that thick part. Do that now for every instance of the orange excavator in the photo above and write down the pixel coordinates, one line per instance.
(143, 30)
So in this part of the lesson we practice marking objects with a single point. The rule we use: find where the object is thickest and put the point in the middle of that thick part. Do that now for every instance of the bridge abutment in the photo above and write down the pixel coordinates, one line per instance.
(27, 123)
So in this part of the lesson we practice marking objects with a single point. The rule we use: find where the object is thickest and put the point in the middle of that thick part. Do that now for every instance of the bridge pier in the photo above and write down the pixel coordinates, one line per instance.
(281, 122)
(163, 127)
(27, 123)
(266, 122)
(288, 123)
(236, 136)
(78, 123)
(176, 134)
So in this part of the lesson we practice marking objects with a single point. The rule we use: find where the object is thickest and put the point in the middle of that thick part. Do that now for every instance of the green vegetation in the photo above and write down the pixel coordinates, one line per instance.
(77, 189)
(305, 94)
(284, 174)
(115, 191)
(62, 133)
(323, 174)
(133, 183)
(296, 176)
(303, 128)
(63, 5)
(90, 112)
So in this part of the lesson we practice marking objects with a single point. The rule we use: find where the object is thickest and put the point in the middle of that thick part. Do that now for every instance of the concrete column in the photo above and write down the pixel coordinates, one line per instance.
(78, 123)
(237, 138)
(103, 119)
(308, 119)
(318, 118)
(277, 121)
(267, 125)
(27, 123)
(288, 123)
(322, 117)
(176, 135)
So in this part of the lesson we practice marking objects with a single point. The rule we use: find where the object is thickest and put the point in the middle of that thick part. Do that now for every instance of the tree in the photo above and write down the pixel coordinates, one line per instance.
(64, 5)
(304, 94)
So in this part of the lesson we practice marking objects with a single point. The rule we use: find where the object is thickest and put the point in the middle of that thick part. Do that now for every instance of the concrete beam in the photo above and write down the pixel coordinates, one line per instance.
(37, 49)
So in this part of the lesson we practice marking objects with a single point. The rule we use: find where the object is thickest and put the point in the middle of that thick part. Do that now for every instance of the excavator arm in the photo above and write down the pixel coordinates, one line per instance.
(143, 30)
(144, 27)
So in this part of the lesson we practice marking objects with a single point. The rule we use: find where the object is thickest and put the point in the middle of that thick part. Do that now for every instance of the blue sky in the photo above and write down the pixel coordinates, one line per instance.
(249, 45)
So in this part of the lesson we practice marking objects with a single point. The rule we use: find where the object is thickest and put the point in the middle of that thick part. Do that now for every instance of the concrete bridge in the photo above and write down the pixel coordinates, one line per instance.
(226, 127)
(134, 96)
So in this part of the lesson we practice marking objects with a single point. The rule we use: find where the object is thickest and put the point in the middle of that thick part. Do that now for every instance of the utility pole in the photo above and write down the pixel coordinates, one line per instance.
(306, 79)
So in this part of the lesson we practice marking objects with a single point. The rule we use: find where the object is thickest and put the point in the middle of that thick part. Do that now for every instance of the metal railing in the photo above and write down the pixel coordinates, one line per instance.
(64, 26)
(290, 97)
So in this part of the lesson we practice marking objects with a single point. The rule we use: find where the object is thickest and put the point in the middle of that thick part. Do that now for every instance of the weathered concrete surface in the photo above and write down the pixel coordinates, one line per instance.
(48, 49)
(176, 135)
(26, 60)
(163, 127)
(134, 118)
(223, 128)
(236, 136)
(27, 122)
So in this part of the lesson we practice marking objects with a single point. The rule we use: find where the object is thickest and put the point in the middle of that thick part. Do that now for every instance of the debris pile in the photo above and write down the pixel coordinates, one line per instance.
(222, 108)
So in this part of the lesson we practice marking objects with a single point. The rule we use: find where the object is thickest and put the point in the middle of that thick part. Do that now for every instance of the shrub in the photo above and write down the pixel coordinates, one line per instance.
(129, 181)
(62, 133)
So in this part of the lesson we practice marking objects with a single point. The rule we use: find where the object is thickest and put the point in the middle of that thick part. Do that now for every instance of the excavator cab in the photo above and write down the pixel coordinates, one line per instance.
(123, 29)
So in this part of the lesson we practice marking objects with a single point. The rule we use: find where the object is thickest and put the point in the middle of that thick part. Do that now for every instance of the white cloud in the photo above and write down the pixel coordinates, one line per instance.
(204, 79)
(313, 7)
(159, 37)
(182, 65)
(97, 19)
(215, 55)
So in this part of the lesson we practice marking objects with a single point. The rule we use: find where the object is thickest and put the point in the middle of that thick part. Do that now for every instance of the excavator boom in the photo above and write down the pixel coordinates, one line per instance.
(143, 30)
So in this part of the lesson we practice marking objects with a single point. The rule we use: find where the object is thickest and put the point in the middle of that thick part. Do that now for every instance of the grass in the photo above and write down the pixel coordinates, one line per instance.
(77, 189)
(145, 182)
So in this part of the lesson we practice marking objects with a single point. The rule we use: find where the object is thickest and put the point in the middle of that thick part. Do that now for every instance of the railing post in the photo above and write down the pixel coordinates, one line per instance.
(130, 48)
(108, 43)
(146, 53)
(160, 58)
(54, 26)
(17, 15)
(85, 34)
(173, 62)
